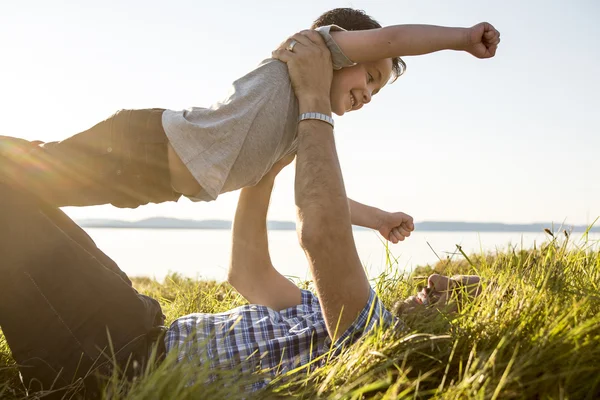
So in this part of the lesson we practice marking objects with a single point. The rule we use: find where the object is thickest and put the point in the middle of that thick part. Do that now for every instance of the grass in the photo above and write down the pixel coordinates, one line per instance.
(533, 333)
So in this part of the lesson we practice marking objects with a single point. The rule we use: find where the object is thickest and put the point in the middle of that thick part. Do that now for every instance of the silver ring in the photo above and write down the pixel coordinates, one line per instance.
(291, 45)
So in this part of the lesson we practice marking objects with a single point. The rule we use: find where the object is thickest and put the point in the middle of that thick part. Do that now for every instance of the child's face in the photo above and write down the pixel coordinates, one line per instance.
(353, 87)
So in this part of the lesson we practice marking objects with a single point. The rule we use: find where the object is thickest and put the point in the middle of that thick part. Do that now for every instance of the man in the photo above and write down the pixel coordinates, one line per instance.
(285, 328)
(282, 328)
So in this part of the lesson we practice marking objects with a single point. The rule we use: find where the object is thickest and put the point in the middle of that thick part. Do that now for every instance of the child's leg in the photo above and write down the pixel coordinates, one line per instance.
(122, 160)
(60, 295)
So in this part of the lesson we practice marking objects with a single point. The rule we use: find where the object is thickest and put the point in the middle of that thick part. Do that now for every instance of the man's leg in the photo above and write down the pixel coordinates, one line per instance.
(60, 297)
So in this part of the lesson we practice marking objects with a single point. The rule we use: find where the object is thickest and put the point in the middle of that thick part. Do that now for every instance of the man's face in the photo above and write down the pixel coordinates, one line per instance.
(353, 87)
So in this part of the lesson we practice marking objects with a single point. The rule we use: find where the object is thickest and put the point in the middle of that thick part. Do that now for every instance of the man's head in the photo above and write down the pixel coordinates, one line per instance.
(441, 291)
(353, 87)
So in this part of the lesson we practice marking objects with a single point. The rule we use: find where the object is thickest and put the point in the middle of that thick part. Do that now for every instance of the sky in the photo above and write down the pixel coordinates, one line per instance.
(512, 139)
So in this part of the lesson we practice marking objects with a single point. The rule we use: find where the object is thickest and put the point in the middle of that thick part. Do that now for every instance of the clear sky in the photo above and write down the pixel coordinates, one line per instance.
(513, 139)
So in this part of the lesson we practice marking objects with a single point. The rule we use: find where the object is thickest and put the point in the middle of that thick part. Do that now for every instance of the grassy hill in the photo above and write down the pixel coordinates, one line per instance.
(533, 333)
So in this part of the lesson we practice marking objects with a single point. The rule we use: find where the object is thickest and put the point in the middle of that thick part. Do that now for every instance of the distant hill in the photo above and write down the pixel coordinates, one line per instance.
(438, 226)
(457, 226)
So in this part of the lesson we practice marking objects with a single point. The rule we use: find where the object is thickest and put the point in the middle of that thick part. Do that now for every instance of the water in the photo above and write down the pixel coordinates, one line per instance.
(205, 253)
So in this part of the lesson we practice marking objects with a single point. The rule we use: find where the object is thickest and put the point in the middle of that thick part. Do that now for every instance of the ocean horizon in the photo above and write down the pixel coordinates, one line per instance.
(429, 226)
(204, 253)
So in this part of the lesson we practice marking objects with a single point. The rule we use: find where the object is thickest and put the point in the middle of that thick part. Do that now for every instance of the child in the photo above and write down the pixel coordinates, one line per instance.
(141, 156)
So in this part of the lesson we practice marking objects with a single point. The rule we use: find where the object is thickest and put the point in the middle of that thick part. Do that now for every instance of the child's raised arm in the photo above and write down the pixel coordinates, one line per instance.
(480, 40)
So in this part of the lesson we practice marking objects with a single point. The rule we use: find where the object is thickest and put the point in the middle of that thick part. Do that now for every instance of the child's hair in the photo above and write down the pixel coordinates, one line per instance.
(356, 20)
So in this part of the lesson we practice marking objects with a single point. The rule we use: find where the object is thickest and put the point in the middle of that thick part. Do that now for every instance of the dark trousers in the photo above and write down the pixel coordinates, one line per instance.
(66, 309)
(122, 160)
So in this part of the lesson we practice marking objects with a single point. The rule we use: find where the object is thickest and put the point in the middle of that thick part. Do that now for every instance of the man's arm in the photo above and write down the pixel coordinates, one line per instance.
(323, 214)
(251, 272)
(480, 40)
(324, 224)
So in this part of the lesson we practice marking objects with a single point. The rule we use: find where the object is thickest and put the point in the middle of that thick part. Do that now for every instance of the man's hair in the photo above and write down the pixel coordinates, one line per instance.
(356, 20)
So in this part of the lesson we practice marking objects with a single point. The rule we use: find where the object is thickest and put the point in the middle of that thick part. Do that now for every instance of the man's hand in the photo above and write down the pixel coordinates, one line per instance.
(482, 40)
(395, 227)
(309, 64)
